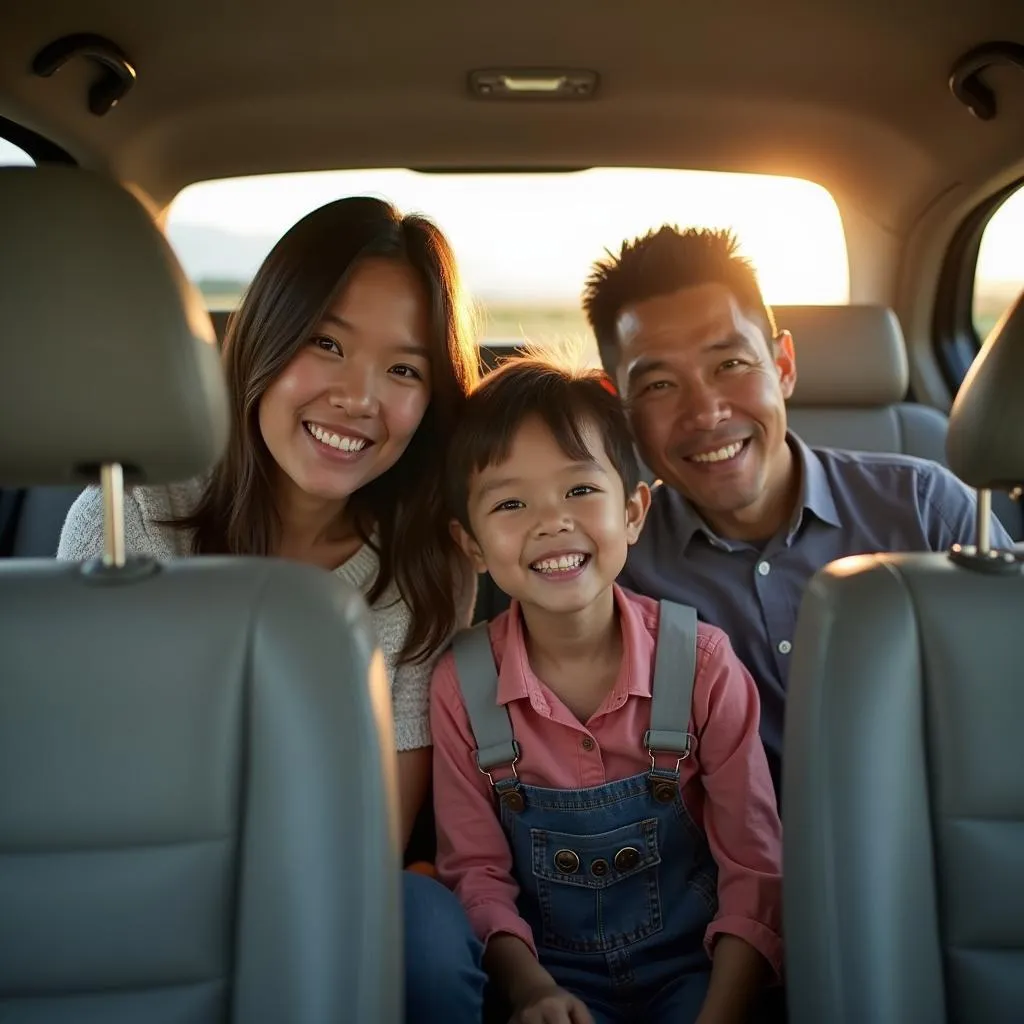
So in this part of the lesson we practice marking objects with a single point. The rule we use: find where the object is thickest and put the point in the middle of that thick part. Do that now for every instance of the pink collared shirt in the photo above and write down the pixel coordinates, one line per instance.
(725, 783)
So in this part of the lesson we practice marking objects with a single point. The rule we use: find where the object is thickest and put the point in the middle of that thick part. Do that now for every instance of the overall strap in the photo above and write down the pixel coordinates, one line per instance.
(675, 666)
(478, 680)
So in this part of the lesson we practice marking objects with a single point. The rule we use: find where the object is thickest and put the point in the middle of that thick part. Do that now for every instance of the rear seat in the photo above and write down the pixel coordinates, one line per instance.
(852, 381)
(31, 518)
(220, 317)
(852, 378)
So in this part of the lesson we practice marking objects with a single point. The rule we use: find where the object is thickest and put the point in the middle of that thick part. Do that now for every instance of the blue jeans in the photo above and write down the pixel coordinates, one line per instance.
(444, 981)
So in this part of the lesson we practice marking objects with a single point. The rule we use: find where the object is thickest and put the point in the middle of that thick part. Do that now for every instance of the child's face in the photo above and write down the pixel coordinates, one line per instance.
(552, 532)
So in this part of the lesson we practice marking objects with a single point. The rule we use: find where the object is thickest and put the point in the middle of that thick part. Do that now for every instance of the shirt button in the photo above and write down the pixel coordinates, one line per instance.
(587, 744)
(785, 647)
(764, 568)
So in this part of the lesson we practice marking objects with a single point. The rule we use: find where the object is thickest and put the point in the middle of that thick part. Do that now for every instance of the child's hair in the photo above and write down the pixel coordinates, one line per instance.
(566, 399)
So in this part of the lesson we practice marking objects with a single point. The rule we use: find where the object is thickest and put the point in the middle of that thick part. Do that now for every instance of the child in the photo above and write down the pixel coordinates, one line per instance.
(604, 808)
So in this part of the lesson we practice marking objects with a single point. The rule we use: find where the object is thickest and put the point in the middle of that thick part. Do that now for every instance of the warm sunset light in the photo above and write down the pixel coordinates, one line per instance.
(525, 242)
(532, 237)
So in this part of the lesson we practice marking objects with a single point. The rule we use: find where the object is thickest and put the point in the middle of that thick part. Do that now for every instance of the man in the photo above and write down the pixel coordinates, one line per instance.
(746, 512)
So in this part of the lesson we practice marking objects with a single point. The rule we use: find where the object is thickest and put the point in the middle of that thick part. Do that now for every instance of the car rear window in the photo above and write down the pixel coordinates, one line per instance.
(525, 242)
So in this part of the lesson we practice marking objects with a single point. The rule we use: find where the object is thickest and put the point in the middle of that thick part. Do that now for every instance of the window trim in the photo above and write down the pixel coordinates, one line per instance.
(37, 146)
(956, 339)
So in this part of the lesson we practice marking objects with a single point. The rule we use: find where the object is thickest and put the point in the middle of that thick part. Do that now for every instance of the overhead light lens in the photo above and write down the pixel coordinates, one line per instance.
(517, 83)
(520, 83)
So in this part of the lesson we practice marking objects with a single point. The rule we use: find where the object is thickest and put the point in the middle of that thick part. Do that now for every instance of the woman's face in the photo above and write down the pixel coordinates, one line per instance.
(344, 409)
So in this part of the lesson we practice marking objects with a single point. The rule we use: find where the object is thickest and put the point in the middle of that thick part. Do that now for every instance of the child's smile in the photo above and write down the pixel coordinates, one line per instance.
(561, 566)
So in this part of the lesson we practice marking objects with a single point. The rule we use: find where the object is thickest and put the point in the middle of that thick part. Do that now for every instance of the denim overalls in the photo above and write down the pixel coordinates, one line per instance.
(616, 881)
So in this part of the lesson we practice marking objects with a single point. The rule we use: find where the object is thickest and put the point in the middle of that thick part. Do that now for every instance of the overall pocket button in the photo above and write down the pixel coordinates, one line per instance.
(567, 861)
(627, 858)
(599, 867)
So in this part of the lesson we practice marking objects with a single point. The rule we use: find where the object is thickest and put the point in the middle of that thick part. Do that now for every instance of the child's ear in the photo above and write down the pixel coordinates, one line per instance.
(637, 506)
(468, 543)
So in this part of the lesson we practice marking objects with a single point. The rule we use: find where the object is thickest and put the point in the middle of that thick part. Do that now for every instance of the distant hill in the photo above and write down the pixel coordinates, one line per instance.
(207, 252)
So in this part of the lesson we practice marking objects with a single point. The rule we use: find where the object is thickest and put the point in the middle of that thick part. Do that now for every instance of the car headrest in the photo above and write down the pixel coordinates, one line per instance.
(846, 355)
(107, 352)
(985, 442)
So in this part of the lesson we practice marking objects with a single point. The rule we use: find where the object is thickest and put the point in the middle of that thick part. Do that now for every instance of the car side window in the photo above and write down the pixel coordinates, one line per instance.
(999, 272)
(11, 154)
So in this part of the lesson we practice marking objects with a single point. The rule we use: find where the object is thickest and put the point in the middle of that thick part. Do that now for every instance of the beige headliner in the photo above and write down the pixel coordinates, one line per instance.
(851, 94)
(845, 94)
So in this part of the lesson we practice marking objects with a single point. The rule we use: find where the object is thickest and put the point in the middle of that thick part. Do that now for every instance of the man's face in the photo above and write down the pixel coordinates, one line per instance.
(706, 391)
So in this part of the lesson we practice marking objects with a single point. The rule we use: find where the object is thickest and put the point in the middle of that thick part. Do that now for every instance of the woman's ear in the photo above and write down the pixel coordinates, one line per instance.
(468, 543)
(637, 506)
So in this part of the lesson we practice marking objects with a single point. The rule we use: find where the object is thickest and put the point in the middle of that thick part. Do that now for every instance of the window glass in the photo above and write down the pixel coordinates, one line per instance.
(11, 154)
(999, 275)
(525, 242)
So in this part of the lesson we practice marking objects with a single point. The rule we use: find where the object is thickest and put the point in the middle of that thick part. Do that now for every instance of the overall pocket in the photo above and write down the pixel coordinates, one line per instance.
(597, 893)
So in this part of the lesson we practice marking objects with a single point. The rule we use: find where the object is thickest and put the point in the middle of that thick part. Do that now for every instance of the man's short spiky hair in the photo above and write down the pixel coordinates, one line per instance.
(660, 263)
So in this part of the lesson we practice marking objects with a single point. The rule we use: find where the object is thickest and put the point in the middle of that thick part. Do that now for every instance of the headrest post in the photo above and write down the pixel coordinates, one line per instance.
(984, 521)
(112, 482)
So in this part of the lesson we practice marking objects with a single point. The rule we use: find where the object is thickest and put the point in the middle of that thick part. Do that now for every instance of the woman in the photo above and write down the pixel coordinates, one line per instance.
(347, 367)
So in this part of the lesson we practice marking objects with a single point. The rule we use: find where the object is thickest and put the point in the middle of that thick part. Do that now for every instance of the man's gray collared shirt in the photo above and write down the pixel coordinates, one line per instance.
(851, 503)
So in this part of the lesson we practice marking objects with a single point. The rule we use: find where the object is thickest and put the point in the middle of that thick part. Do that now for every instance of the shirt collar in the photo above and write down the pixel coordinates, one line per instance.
(815, 489)
(815, 497)
(685, 518)
(516, 680)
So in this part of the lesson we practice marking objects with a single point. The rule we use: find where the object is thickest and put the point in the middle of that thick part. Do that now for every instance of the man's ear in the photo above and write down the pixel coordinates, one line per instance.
(785, 362)
(637, 506)
(467, 542)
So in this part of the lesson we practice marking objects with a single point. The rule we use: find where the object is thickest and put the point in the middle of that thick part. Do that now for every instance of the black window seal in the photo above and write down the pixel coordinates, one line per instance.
(956, 340)
(37, 146)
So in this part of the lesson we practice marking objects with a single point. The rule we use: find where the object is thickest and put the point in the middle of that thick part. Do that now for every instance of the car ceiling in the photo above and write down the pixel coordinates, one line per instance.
(853, 95)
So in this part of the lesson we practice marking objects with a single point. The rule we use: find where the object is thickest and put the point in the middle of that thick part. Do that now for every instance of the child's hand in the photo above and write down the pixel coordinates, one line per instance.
(552, 1006)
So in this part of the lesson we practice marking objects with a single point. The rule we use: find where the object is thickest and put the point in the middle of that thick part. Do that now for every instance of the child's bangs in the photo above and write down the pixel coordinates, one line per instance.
(560, 410)
(569, 424)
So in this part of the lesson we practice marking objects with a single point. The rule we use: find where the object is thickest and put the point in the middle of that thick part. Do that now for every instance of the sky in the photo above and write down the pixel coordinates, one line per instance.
(11, 154)
(533, 237)
(1001, 257)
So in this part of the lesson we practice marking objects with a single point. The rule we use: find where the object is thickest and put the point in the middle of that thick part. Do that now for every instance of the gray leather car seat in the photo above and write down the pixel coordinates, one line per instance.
(31, 517)
(852, 382)
(903, 769)
(197, 802)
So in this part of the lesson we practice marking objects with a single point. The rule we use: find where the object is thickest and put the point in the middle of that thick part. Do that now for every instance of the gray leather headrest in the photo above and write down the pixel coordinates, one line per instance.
(107, 352)
(985, 442)
(846, 355)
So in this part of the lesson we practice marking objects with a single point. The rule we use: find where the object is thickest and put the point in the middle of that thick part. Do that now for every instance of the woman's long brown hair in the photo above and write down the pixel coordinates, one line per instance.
(404, 507)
